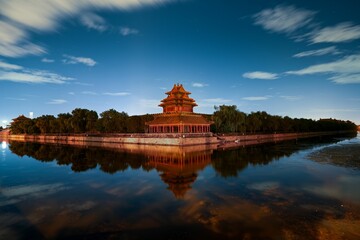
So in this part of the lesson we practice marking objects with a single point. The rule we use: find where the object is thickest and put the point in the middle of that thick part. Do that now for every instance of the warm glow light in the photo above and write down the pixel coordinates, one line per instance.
(3, 145)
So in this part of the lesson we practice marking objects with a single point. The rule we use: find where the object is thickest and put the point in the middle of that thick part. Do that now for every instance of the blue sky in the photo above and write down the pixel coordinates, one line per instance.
(288, 58)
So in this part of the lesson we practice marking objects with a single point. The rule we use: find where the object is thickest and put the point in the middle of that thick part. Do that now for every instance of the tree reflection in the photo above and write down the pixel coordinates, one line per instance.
(229, 163)
(81, 159)
(178, 169)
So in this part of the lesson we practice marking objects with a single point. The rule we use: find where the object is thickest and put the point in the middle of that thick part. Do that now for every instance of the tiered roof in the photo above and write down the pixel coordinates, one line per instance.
(178, 100)
(178, 115)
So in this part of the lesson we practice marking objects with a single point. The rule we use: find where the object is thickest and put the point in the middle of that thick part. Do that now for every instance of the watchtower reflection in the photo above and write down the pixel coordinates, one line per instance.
(179, 170)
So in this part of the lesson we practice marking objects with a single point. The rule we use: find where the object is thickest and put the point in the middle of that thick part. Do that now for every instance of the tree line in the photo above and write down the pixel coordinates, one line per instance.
(81, 121)
(226, 119)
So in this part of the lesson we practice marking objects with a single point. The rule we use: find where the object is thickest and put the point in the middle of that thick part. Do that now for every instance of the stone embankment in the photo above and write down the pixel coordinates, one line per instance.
(142, 139)
(165, 139)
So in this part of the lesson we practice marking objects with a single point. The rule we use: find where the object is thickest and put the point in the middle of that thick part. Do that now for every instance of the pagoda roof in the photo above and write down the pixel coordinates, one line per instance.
(170, 119)
(178, 95)
(178, 88)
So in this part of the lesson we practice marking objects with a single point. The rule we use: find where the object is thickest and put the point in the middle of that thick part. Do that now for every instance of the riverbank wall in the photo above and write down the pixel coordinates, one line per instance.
(139, 139)
(166, 139)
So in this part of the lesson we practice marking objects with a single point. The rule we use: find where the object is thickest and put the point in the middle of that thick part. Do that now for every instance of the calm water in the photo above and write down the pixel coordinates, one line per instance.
(304, 189)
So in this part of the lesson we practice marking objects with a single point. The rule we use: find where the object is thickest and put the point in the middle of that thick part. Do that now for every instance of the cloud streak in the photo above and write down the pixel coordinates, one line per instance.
(16, 73)
(344, 71)
(46, 60)
(20, 18)
(199, 85)
(319, 52)
(93, 21)
(57, 101)
(83, 60)
(291, 98)
(126, 31)
(289, 20)
(343, 32)
(257, 98)
(8, 66)
(260, 75)
(283, 19)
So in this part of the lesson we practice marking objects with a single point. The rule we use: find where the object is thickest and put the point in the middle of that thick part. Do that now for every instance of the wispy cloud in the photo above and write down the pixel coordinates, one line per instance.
(258, 98)
(20, 18)
(199, 85)
(343, 32)
(289, 19)
(318, 52)
(93, 21)
(16, 99)
(291, 98)
(283, 19)
(20, 193)
(89, 93)
(118, 94)
(344, 71)
(84, 84)
(346, 78)
(75, 60)
(14, 40)
(16, 73)
(57, 101)
(125, 31)
(260, 75)
(47, 60)
(8, 66)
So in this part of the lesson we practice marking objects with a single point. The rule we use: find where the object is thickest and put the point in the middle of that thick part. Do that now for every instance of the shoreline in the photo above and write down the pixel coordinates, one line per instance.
(201, 141)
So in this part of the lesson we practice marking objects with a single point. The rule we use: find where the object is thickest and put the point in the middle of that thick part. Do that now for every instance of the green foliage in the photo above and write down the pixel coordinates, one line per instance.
(64, 122)
(24, 125)
(46, 124)
(81, 121)
(112, 121)
(227, 119)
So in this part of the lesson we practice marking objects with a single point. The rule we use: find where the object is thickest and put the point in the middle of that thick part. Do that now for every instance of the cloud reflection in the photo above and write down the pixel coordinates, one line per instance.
(20, 193)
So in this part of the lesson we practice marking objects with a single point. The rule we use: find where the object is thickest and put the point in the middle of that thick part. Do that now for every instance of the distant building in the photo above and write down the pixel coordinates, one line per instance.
(178, 115)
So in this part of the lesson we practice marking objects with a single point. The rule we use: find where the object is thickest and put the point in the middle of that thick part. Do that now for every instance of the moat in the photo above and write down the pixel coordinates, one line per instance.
(297, 189)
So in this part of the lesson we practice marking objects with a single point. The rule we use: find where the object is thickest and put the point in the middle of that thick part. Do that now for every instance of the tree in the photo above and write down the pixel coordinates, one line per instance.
(46, 124)
(79, 120)
(253, 122)
(113, 121)
(91, 121)
(228, 119)
(17, 126)
(64, 121)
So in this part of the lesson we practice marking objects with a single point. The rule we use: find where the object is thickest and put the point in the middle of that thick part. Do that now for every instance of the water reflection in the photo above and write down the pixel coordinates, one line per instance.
(254, 192)
(179, 170)
(3, 145)
(178, 167)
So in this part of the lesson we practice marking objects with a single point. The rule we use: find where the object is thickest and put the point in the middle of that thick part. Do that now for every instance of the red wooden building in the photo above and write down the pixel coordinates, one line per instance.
(178, 115)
